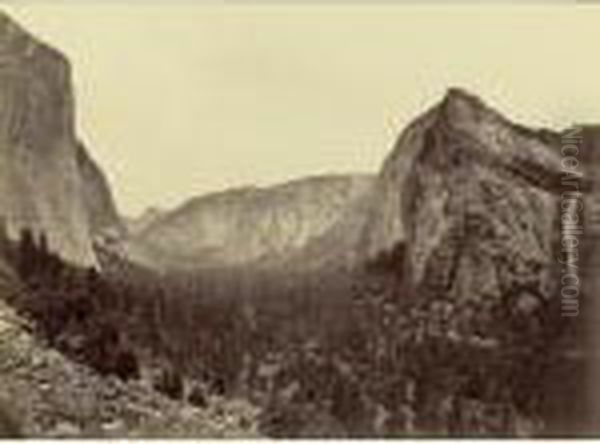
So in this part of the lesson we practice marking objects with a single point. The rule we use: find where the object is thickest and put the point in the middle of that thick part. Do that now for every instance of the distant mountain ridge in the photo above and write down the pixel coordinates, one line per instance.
(138, 224)
(247, 225)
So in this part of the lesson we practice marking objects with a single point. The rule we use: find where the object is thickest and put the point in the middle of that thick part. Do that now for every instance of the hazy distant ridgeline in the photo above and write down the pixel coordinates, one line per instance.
(248, 225)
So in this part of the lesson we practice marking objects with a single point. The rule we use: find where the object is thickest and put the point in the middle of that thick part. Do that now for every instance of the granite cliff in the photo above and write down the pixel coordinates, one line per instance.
(480, 214)
(48, 181)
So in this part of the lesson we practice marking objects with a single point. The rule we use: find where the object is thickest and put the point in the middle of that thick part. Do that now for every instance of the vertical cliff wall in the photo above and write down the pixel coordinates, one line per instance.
(48, 182)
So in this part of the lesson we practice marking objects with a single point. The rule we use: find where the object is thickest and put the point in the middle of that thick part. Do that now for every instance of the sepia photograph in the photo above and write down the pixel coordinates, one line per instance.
(276, 220)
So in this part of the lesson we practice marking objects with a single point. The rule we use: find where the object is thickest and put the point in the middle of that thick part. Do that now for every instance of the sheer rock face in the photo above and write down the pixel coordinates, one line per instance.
(248, 225)
(481, 214)
(383, 226)
(48, 182)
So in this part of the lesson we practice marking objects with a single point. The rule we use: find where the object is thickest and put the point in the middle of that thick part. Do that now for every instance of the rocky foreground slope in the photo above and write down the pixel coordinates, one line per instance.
(43, 394)
(48, 182)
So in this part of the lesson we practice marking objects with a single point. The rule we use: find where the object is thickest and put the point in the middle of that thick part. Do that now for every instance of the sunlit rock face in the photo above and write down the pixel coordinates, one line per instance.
(48, 182)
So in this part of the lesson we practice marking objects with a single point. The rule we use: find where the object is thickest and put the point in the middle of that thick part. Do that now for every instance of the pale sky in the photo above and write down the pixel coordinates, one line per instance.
(175, 101)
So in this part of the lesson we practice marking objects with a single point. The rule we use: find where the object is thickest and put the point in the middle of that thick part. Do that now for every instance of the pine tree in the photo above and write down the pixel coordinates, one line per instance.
(27, 253)
(42, 253)
(4, 240)
(42, 245)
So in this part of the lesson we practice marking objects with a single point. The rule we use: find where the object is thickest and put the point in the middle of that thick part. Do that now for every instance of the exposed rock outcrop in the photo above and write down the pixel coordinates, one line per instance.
(48, 182)
(481, 218)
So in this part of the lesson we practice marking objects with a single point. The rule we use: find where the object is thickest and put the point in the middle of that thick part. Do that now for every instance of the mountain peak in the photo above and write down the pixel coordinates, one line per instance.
(18, 45)
(6, 21)
(461, 107)
(456, 94)
(10, 29)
